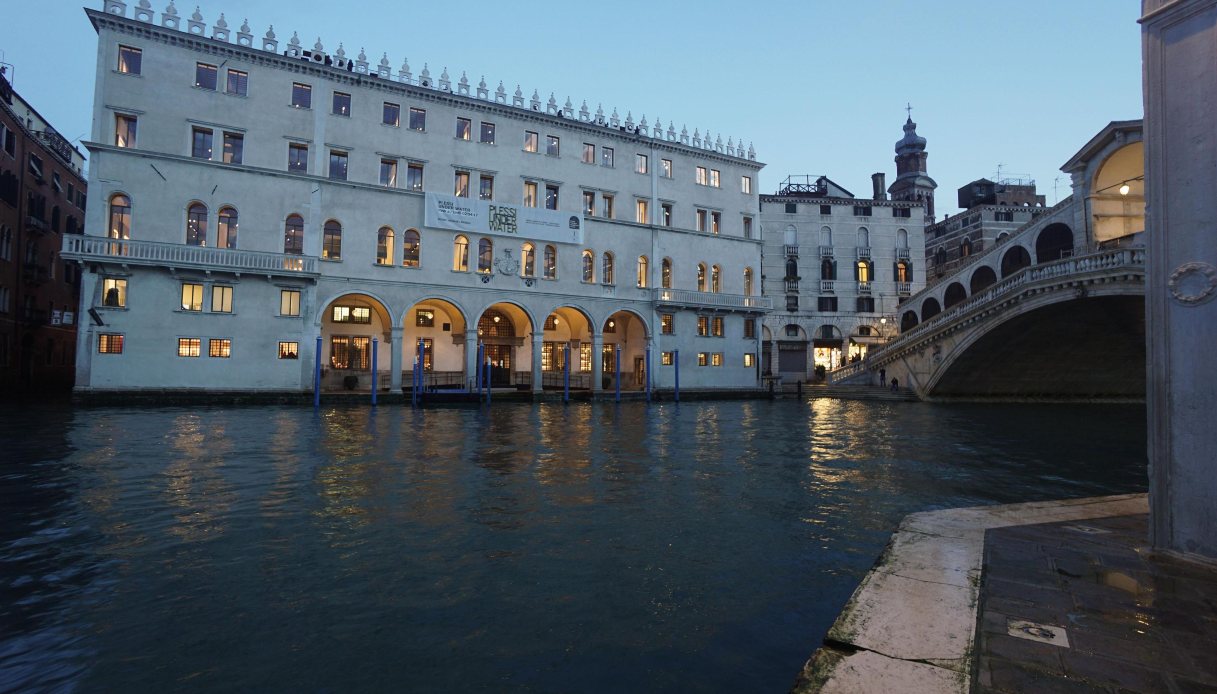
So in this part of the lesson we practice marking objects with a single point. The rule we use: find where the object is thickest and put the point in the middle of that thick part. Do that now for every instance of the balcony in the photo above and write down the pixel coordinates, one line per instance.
(827, 286)
(902, 254)
(863, 253)
(904, 288)
(690, 299)
(173, 255)
(864, 287)
(825, 251)
(792, 286)
(791, 251)
(32, 222)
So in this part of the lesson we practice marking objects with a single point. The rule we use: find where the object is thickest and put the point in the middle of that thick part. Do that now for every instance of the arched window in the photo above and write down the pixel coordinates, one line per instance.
(460, 254)
(701, 277)
(528, 260)
(485, 255)
(226, 229)
(665, 273)
(642, 271)
(747, 281)
(940, 259)
(331, 241)
(196, 224)
(551, 262)
(410, 248)
(904, 273)
(828, 269)
(863, 237)
(495, 323)
(589, 266)
(606, 269)
(826, 237)
(902, 238)
(790, 237)
(792, 268)
(293, 235)
(120, 217)
(863, 270)
(716, 279)
(965, 248)
(384, 246)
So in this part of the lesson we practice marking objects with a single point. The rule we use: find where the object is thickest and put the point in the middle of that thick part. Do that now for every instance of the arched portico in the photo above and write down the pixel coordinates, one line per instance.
(443, 329)
(628, 331)
(350, 324)
(1014, 260)
(954, 294)
(504, 329)
(1053, 243)
(983, 278)
(567, 330)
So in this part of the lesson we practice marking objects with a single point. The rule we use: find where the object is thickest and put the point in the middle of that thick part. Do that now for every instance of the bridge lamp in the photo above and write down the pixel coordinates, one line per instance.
(1124, 189)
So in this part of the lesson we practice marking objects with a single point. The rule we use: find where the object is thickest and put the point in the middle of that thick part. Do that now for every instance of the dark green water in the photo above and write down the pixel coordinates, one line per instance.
(704, 547)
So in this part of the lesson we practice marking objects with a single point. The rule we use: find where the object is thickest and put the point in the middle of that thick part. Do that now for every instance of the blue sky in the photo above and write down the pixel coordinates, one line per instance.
(819, 87)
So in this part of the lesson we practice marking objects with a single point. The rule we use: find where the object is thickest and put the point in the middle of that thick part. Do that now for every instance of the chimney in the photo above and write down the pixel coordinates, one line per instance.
(879, 181)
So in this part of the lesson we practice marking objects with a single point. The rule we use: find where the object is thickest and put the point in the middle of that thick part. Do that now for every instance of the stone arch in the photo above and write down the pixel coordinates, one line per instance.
(376, 301)
(1014, 260)
(1054, 242)
(954, 294)
(1117, 211)
(983, 278)
(908, 320)
(436, 320)
(522, 318)
(353, 326)
(930, 308)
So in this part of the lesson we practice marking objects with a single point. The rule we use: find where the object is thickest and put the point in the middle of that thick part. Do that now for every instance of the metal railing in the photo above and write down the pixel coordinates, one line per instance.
(183, 256)
(684, 297)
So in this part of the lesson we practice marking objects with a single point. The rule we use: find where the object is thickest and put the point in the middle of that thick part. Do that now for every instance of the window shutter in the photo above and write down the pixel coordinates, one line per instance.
(896, 272)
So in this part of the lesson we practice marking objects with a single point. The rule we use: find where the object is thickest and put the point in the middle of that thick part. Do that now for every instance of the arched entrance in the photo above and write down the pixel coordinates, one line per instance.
(930, 308)
(954, 294)
(1053, 243)
(983, 278)
(349, 325)
(826, 347)
(441, 327)
(627, 330)
(1117, 200)
(908, 320)
(501, 330)
(1014, 260)
(567, 327)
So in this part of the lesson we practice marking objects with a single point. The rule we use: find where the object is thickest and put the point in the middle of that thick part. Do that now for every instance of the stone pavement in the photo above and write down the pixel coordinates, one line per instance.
(1083, 606)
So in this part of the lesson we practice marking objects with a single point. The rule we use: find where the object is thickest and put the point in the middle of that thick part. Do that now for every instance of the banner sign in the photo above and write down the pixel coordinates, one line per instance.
(501, 219)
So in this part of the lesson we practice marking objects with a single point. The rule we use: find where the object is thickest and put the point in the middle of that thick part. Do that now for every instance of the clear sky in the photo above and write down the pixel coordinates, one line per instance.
(819, 87)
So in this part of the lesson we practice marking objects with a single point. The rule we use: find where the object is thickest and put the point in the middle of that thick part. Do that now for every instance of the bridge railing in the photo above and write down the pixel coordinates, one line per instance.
(1076, 265)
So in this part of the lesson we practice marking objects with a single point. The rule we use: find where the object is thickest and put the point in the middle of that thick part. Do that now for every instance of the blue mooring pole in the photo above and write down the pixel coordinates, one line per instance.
(676, 365)
(375, 376)
(477, 372)
(648, 373)
(317, 375)
(617, 370)
(486, 380)
(414, 382)
(422, 369)
(566, 374)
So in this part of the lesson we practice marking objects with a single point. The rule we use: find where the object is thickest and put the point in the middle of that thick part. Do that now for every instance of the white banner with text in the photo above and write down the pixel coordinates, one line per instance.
(501, 219)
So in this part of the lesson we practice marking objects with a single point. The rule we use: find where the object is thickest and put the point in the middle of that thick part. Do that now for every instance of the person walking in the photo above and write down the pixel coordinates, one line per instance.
(882, 376)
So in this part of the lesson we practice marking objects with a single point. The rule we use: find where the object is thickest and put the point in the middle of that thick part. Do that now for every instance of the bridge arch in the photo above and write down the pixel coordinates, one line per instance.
(954, 294)
(983, 278)
(1117, 200)
(930, 308)
(1054, 242)
(1014, 260)
(908, 320)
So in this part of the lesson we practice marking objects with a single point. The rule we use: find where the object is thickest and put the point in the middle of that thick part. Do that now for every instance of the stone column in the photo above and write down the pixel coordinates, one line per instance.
(597, 361)
(471, 358)
(396, 345)
(537, 340)
(1179, 42)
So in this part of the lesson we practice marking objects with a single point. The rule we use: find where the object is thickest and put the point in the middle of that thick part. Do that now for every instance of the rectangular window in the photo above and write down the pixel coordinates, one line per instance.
(351, 314)
(828, 304)
(192, 296)
(551, 197)
(200, 144)
(665, 168)
(703, 326)
(667, 324)
(424, 318)
(114, 292)
(234, 148)
(716, 222)
(666, 359)
(792, 208)
(302, 95)
(124, 130)
(530, 141)
(221, 299)
(414, 177)
(551, 145)
(350, 352)
(750, 327)
(701, 220)
(391, 114)
(297, 158)
(747, 227)
(701, 176)
(289, 302)
(589, 203)
(703, 358)
(640, 163)
(666, 209)
(716, 326)
(999, 216)
(188, 346)
(861, 210)
(388, 172)
(749, 359)
(866, 304)
(9, 140)
(486, 187)
(486, 136)
(606, 156)
(585, 357)
(825, 209)
(905, 212)
(219, 347)
(205, 76)
(238, 83)
(460, 185)
(606, 205)
(130, 60)
(109, 343)
(418, 119)
(289, 350)
(338, 165)
(342, 104)
(714, 178)
(745, 184)
(642, 213)
(530, 194)
(716, 359)
(464, 129)
(589, 153)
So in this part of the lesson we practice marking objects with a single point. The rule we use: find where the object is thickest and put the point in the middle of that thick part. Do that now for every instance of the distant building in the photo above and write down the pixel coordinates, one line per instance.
(992, 211)
(42, 199)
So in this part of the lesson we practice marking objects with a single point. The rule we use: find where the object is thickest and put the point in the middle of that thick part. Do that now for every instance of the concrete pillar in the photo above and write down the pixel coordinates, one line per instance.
(537, 341)
(395, 353)
(597, 361)
(471, 358)
(1179, 41)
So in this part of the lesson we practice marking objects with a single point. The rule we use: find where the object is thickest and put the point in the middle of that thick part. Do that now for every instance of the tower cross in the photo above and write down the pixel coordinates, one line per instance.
(909, 107)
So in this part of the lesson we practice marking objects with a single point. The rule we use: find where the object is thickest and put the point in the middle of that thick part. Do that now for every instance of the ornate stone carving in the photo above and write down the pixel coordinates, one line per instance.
(1192, 284)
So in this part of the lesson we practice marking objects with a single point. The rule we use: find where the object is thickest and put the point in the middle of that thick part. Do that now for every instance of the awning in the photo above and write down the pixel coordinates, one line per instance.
(828, 343)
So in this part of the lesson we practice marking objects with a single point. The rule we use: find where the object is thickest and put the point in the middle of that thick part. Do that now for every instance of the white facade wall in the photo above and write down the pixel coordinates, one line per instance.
(162, 180)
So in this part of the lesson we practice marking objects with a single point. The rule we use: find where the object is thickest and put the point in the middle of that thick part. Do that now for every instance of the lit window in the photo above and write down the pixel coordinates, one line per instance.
(716, 359)
(196, 224)
(701, 220)
(289, 350)
(749, 359)
(120, 217)
(643, 271)
(351, 314)
(528, 260)
(665, 273)
(486, 136)
(530, 141)
(297, 158)
(341, 104)
(461, 184)
(293, 235)
(200, 143)
(384, 246)
(606, 156)
(585, 357)
(485, 255)
(551, 263)
(551, 197)
(703, 358)
(701, 277)
(642, 213)
(226, 228)
(486, 187)
(237, 83)
(716, 326)
(192, 296)
(414, 177)
(188, 346)
(589, 203)
(219, 347)
(606, 206)
(234, 148)
(666, 359)
(667, 324)
(713, 178)
(114, 292)
(302, 95)
(640, 163)
(289, 302)
(411, 245)
(551, 145)
(716, 220)
(338, 165)
(750, 327)
(716, 282)
(589, 266)
(703, 326)
(130, 60)
(109, 343)
(589, 153)
(424, 318)
(331, 241)
(124, 130)
(391, 114)
(205, 76)
(418, 119)
(606, 270)
(460, 254)
(530, 194)
(666, 209)
(745, 184)
(701, 176)
(464, 129)
(388, 173)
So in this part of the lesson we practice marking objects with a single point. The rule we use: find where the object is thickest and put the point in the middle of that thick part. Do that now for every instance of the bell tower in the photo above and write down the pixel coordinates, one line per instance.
(912, 181)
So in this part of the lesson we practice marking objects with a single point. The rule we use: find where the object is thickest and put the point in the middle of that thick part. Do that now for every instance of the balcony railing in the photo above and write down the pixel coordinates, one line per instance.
(827, 285)
(684, 297)
(792, 286)
(791, 251)
(825, 251)
(863, 252)
(36, 224)
(904, 288)
(93, 248)
(902, 254)
(864, 287)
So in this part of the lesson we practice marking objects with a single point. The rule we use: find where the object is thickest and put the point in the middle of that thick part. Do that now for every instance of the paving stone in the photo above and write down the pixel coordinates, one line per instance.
(1041, 656)
(1113, 672)
(1013, 677)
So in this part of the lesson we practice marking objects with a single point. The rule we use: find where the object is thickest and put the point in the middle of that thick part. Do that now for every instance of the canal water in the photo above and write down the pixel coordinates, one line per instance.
(700, 547)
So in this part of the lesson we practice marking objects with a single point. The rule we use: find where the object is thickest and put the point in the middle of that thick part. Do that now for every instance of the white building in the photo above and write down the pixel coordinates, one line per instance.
(261, 202)
(836, 267)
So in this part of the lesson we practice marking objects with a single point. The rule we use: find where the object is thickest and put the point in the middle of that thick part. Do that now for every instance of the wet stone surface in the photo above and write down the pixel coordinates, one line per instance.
(1135, 621)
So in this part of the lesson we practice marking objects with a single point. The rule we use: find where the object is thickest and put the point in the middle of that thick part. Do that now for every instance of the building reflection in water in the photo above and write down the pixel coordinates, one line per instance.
(195, 484)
